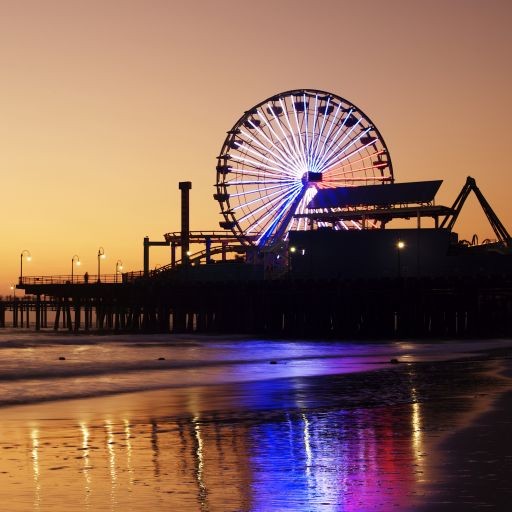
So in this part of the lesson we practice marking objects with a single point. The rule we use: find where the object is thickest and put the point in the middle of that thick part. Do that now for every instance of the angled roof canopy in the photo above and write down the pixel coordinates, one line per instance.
(376, 195)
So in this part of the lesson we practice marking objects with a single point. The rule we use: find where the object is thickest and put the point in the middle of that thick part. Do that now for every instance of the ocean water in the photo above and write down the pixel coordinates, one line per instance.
(43, 366)
(229, 424)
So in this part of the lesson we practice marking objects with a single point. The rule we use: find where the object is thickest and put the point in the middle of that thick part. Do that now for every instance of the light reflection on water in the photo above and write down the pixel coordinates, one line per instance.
(324, 463)
(34, 434)
(330, 460)
(86, 468)
(298, 437)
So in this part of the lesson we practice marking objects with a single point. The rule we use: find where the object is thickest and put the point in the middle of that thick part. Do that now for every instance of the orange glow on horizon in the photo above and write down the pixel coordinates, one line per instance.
(105, 110)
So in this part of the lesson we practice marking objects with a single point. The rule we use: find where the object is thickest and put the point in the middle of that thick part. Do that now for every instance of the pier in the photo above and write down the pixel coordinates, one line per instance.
(286, 307)
(313, 253)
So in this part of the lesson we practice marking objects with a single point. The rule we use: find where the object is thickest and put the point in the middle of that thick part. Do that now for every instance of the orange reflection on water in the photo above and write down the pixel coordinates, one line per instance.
(110, 443)
(352, 460)
(86, 469)
(34, 435)
(298, 461)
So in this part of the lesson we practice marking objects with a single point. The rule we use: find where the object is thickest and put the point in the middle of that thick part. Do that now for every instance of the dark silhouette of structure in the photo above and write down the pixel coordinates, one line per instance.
(419, 282)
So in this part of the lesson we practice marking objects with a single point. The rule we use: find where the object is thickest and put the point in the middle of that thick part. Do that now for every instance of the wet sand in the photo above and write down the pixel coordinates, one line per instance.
(474, 463)
(424, 437)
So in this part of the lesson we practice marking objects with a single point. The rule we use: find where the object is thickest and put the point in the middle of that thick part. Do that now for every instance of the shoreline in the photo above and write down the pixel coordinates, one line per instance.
(78, 368)
(378, 382)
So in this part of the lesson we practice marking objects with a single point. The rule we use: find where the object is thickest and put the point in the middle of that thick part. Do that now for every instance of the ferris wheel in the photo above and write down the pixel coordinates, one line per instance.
(283, 150)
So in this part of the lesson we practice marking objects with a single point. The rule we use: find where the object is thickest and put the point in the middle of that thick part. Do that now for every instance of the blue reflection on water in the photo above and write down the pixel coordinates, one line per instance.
(338, 460)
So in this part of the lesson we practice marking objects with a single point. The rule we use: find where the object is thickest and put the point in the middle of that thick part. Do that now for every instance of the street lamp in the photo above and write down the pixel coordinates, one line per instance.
(75, 260)
(119, 267)
(400, 245)
(24, 254)
(101, 256)
(13, 289)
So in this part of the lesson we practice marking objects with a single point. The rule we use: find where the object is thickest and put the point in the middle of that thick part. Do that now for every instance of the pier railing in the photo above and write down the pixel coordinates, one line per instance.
(77, 279)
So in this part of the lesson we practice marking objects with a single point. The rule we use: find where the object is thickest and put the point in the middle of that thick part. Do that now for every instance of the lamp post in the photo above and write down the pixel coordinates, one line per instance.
(75, 260)
(291, 252)
(24, 254)
(101, 256)
(399, 247)
(119, 268)
(13, 289)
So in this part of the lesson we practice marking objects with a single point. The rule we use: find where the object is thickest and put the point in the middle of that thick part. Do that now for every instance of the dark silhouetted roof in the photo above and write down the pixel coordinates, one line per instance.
(376, 195)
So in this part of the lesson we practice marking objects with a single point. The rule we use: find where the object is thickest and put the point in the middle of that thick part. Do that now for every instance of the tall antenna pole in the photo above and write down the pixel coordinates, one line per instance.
(185, 186)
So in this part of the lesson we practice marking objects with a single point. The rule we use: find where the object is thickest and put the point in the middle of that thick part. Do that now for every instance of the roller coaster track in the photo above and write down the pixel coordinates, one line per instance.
(198, 256)
(499, 229)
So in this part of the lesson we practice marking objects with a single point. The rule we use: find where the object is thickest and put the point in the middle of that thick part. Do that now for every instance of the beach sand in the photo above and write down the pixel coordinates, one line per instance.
(474, 462)
(423, 437)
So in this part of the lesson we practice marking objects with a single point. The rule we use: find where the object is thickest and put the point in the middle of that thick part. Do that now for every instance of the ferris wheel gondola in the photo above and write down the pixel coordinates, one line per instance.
(281, 151)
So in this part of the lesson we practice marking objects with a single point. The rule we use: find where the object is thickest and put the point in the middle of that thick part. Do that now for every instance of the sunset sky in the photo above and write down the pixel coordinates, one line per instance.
(106, 105)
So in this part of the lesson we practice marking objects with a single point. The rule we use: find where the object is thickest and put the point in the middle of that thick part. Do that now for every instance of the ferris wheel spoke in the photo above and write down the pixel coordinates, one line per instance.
(320, 152)
(337, 142)
(346, 157)
(258, 154)
(353, 162)
(290, 149)
(344, 175)
(321, 131)
(355, 178)
(283, 218)
(299, 133)
(339, 136)
(339, 154)
(295, 156)
(256, 200)
(261, 165)
(255, 182)
(272, 131)
(313, 132)
(242, 171)
(270, 141)
(276, 203)
(306, 134)
(266, 149)
(349, 145)
(276, 206)
(261, 168)
(256, 190)
(265, 142)
(299, 154)
(347, 169)
(282, 158)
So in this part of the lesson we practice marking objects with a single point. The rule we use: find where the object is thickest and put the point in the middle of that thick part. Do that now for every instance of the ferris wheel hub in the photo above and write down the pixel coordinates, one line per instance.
(309, 178)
